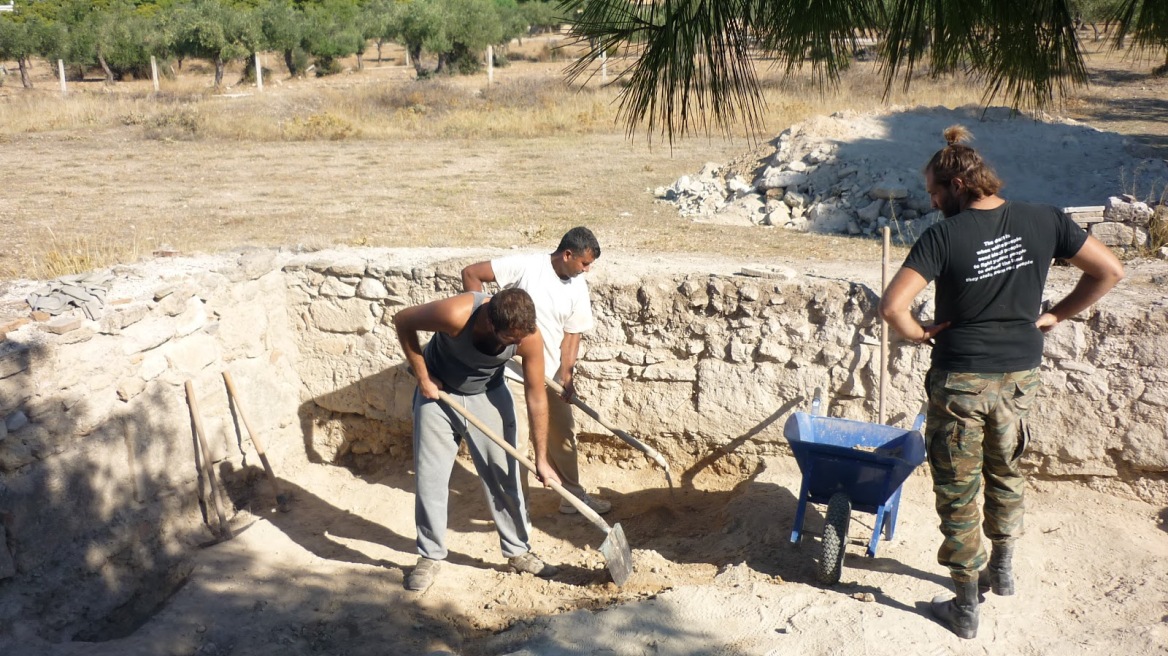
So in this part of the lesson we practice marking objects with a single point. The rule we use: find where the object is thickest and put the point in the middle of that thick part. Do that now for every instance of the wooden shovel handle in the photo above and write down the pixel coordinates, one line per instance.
(208, 469)
(256, 440)
(576, 502)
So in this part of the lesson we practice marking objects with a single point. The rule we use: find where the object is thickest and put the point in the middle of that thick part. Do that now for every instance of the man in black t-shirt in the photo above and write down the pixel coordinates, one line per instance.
(989, 260)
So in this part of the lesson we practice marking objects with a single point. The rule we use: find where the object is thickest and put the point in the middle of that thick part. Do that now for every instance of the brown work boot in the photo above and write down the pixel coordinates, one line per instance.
(960, 613)
(999, 574)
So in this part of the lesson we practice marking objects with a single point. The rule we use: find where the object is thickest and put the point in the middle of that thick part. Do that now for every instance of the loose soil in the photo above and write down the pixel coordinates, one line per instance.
(716, 573)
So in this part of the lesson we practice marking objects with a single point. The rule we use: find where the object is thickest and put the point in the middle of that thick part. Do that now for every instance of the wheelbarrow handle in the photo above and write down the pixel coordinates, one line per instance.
(576, 502)
(920, 420)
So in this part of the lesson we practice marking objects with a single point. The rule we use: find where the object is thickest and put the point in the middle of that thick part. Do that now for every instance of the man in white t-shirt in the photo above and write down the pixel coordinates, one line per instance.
(563, 312)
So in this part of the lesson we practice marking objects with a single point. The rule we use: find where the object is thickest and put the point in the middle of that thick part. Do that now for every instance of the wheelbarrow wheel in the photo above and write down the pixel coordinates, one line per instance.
(835, 538)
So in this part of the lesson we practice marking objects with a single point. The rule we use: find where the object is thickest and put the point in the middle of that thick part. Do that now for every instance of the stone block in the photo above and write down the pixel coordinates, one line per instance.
(16, 421)
(674, 371)
(192, 354)
(9, 326)
(62, 325)
(337, 288)
(153, 364)
(1112, 233)
(350, 315)
(146, 334)
(372, 289)
(114, 322)
(130, 388)
(14, 454)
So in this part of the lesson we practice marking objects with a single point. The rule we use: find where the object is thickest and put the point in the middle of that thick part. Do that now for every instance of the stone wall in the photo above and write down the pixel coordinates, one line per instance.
(100, 497)
(1126, 224)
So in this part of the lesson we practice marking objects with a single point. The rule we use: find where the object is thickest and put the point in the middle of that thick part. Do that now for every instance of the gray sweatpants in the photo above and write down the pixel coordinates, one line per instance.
(438, 430)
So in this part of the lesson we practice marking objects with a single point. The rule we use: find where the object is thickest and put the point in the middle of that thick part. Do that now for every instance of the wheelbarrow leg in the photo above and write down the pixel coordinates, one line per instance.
(893, 510)
(801, 509)
(881, 515)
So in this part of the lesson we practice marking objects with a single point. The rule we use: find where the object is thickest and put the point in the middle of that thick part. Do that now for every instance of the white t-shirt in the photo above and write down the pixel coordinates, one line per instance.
(561, 306)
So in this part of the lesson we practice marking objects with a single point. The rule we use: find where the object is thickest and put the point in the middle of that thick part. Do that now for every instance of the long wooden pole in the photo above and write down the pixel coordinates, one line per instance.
(885, 232)
(258, 441)
(207, 468)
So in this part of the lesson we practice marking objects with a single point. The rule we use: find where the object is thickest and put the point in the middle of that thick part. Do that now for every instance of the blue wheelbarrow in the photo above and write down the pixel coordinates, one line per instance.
(850, 465)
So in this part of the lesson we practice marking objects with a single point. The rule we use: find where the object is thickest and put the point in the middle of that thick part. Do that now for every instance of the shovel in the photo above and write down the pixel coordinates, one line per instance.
(629, 439)
(615, 547)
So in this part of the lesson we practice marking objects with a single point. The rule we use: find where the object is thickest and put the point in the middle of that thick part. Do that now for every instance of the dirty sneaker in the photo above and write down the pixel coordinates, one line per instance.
(599, 505)
(530, 563)
(423, 575)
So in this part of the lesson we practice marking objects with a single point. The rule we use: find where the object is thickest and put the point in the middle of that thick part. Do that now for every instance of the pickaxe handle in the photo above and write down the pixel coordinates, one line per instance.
(258, 441)
(629, 439)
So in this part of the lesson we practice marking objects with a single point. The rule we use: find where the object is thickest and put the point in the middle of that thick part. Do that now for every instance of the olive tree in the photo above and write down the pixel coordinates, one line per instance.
(453, 30)
(214, 31)
(331, 32)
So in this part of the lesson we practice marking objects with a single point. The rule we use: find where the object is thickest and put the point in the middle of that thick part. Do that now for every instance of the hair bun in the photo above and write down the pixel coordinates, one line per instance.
(955, 134)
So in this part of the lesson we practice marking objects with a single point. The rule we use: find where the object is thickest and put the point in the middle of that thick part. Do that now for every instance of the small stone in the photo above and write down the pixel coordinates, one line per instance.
(38, 315)
(131, 388)
(62, 325)
(864, 596)
(10, 326)
(16, 421)
(76, 292)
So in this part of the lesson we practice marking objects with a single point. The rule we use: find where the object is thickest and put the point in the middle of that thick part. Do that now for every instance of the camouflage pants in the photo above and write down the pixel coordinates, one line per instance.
(976, 429)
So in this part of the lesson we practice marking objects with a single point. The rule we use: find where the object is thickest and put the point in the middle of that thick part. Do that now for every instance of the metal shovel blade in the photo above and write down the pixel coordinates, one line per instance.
(617, 555)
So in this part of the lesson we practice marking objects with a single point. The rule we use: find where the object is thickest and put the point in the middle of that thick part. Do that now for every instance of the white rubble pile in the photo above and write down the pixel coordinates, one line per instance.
(854, 173)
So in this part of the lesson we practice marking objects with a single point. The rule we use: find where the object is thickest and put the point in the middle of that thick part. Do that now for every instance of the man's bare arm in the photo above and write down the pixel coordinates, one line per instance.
(569, 353)
(474, 275)
(531, 352)
(1102, 271)
(447, 315)
(896, 304)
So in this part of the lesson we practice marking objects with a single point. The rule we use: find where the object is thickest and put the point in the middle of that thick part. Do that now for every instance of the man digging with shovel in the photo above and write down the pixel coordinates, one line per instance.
(474, 336)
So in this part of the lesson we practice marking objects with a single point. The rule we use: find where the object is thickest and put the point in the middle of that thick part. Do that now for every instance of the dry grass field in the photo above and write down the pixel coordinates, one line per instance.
(106, 174)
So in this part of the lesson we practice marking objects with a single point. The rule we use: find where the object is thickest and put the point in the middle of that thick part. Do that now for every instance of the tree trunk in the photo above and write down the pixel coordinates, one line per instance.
(24, 78)
(415, 53)
(291, 65)
(379, 42)
(360, 63)
(249, 70)
(220, 65)
(441, 64)
(109, 75)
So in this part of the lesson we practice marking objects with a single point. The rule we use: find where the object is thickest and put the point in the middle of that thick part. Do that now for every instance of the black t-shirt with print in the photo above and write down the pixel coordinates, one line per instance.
(990, 269)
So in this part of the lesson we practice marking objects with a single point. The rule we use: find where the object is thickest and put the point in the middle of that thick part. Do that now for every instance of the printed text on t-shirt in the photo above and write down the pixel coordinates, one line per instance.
(1000, 255)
